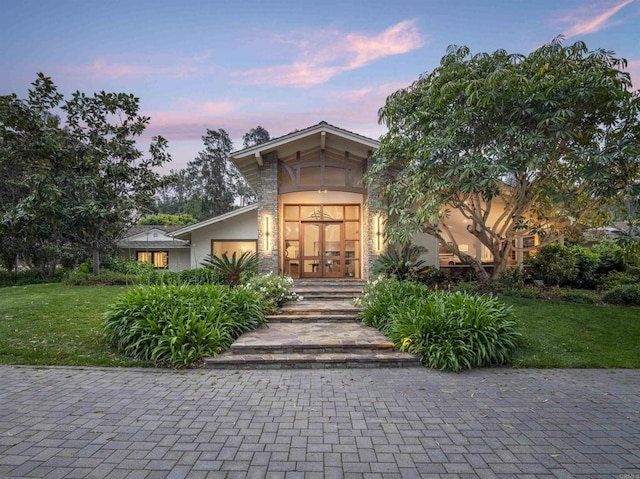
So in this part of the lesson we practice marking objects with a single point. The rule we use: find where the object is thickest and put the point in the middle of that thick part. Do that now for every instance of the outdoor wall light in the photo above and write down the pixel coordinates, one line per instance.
(378, 232)
(267, 234)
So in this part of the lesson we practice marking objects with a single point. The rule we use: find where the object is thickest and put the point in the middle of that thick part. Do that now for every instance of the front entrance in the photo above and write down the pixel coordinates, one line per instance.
(322, 241)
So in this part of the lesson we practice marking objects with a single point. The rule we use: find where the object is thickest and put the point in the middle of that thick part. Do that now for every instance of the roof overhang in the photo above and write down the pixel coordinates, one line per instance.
(187, 230)
(322, 135)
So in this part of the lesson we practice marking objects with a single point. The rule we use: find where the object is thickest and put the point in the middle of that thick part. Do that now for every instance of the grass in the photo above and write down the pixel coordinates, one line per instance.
(53, 324)
(569, 335)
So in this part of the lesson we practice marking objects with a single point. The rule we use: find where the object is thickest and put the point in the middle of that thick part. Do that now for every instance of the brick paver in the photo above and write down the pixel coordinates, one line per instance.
(385, 423)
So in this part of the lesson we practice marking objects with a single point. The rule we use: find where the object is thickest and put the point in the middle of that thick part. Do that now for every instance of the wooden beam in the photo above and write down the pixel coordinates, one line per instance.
(323, 139)
(259, 159)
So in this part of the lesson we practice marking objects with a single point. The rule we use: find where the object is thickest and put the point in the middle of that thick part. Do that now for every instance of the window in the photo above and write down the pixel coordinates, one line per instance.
(159, 259)
(219, 247)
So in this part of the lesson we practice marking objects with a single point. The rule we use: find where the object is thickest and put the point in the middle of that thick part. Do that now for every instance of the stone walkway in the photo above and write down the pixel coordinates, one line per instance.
(360, 423)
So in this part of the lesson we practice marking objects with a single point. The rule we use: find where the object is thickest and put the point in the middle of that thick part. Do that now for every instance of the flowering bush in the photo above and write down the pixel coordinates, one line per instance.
(275, 289)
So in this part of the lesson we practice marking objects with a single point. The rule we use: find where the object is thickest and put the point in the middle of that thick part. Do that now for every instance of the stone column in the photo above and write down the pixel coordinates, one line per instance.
(267, 195)
(372, 208)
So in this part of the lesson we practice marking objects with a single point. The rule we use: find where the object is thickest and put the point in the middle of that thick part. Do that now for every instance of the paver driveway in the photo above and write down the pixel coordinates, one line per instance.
(66, 422)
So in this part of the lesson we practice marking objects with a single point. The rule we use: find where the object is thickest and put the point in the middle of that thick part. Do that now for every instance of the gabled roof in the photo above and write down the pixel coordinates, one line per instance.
(151, 236)
(248, 159)
(216, 219)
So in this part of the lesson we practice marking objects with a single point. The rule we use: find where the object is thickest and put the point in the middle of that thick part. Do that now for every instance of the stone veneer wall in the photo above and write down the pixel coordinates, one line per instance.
(372, 207)
(267, 195)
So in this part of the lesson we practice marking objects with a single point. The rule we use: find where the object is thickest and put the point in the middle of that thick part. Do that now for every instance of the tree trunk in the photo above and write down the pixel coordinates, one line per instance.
(96, 261)
(478, 269)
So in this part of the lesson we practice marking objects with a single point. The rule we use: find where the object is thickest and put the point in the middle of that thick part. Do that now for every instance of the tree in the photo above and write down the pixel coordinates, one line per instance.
(255, 136)
(81, 184)
(208, 176)
(517, 144)
(165, 219)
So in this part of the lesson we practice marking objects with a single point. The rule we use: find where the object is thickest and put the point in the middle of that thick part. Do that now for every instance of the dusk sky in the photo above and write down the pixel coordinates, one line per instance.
(236, 64)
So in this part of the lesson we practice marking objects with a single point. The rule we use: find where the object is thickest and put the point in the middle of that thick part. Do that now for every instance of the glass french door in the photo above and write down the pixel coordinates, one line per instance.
(322, 250)
(322, 241)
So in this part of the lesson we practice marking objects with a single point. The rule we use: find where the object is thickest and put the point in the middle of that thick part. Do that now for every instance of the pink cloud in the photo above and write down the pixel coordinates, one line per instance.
(323, 55)
(107, 69)
(590, 20)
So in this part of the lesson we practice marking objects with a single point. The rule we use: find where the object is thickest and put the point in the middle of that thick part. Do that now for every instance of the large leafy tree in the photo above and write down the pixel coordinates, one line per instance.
(78, 184)
(209, 177)
(516, 144)
(210, 184)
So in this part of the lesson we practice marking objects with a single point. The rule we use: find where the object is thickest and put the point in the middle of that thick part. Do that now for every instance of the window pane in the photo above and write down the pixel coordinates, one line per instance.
(333, 212)
(310, 212)
(144, 256)
(291, 213)
(291, 230)
(218, 248)
(352, 249)
(352, 212)
(160, 259)
(352, 230)
(292, 249)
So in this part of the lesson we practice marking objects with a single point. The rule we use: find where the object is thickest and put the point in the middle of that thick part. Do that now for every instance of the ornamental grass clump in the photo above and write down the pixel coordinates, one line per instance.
(449, 331)
(176, 325)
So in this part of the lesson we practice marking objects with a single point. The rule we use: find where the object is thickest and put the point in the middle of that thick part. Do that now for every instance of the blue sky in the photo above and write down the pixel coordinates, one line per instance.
(236, 64)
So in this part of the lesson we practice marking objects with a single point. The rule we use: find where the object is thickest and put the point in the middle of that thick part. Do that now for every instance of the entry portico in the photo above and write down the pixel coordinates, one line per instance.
(316, 217)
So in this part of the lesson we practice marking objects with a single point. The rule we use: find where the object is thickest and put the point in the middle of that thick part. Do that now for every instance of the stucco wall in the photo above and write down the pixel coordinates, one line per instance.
(241, 227)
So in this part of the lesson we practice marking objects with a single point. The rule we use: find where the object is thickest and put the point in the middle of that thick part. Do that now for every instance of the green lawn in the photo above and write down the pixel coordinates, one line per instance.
(568, 335)
(53, 324)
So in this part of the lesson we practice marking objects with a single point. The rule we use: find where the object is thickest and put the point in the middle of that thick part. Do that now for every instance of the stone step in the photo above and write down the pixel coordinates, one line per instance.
(363, 359)
(339, 306)
(312, 317)
(346, 337)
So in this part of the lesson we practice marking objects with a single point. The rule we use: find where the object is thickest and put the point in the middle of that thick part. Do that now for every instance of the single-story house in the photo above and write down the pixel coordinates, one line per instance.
(153, 244)
(314, 217)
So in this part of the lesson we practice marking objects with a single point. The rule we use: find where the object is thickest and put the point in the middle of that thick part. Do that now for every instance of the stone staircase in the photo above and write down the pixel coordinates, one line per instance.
(321, 331)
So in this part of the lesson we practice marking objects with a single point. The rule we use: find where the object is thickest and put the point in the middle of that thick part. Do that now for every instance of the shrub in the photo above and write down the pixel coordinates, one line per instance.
(275, 289)
(465, 287)
(105, 278)
(25, 277)
(125, 266)
(525, 292)
(555, 265)
(232, 267)
(616, 278)
(447, 330)
(177, 325)
(587, 263)
(404, 264)
(626, 294)
(454, 331)
(202, 276)
(380, 295)
(513, 278)
(582, 297)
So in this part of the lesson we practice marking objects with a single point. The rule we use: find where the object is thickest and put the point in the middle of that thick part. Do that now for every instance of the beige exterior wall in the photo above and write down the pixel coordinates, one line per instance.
(242, 227)
(179, 259)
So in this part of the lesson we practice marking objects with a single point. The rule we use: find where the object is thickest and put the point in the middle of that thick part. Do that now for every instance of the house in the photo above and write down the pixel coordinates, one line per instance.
(314, 216)
(152, 244)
